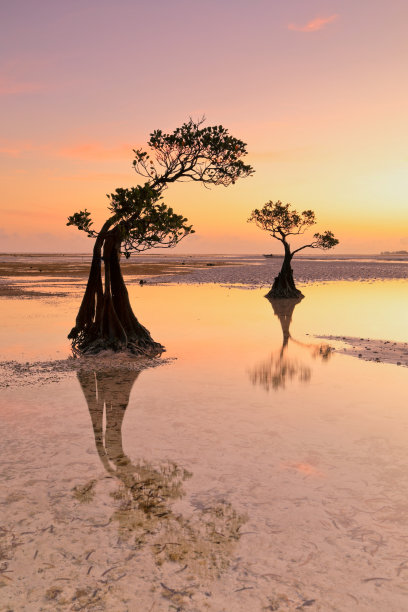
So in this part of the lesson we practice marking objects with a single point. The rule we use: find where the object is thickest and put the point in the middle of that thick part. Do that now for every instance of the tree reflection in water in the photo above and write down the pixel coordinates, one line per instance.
(280, 368)
(202, 541)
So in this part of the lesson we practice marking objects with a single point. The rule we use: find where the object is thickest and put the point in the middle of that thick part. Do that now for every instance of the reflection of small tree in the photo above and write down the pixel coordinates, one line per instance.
(139, 220)
(275, 372)
(202, 542)
(280, 222)
(279, 368)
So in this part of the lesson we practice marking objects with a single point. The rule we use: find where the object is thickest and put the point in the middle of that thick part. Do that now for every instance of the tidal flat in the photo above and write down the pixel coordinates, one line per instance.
(254, 467)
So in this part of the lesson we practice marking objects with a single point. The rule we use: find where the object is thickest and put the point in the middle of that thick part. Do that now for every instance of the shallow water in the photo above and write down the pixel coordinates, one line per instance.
(256, 471)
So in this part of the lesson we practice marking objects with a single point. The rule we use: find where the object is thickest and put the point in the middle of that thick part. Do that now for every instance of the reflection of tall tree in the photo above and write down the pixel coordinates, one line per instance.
(109, 389)
(279, 368)
(283, 309)
(147, 491)
(151, 487)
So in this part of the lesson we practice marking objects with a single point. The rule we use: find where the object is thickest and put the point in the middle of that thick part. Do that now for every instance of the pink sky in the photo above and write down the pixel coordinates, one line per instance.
(317, 89)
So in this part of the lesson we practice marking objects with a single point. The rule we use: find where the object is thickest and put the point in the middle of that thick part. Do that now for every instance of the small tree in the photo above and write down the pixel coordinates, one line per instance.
(280, 368)
(139, 220)
(280, 222)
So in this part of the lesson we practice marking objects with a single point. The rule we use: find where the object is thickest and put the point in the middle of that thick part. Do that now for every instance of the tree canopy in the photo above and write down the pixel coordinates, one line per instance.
(139, 220)
(280, 221)
(144, 221)
(209, 155)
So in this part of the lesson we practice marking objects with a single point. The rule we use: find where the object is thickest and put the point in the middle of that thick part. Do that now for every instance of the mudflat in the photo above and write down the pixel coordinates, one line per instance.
(254, 468)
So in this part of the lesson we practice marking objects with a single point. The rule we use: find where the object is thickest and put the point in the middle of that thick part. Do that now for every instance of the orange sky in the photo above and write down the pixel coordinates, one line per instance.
(317, 89)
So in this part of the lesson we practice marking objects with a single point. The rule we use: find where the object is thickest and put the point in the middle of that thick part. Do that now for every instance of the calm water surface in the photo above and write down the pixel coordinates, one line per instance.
(258, 470)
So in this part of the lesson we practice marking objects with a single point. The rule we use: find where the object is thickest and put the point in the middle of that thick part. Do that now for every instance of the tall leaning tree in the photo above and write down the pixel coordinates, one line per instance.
(139, 220)
(281, 222)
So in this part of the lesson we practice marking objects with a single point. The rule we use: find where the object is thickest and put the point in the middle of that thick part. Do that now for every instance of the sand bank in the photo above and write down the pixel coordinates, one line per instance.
(262, 273)
(17, 374)
(381, 351)
(20, 275)
(12, 290)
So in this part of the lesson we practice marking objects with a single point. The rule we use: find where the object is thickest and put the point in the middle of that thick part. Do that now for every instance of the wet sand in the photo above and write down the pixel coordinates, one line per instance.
(256, 470)
(262, 273)
(20, 273)
(30, 276)
(15, 373)
(380, 351)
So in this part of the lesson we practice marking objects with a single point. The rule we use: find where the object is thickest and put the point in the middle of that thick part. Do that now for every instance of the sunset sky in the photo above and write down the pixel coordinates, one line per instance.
(318, 89)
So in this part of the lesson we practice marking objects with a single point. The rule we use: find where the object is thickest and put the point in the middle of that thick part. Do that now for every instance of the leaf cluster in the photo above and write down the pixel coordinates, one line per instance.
(144, 221)
(140, 218)
(325, 241)
(82, 220)
(209, 155)
(192, 152)
(281, 221)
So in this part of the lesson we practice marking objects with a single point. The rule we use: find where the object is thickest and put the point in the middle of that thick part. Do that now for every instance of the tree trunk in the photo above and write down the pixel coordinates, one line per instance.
(105, 319)
(284, 285)
(283, 309)
(108, 392)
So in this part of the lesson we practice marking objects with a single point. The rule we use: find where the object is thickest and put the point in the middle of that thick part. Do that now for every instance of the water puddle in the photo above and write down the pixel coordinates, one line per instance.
(257, 470)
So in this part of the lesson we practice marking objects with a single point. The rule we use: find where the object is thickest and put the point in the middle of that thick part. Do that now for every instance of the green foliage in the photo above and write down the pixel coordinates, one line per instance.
(82, 220)
(205, 154)
(127, 202)
(281, 221)
(325, 241)
(146, 222)
(139, 217)
(277, 219)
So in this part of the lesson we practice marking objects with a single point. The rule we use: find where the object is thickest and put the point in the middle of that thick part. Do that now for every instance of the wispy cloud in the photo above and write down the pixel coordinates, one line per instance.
(96, 151)
(84, 151)
(91, 177)
(38, 242)
(281, 155)
(10, 148)
(315, 24)
(9, 87)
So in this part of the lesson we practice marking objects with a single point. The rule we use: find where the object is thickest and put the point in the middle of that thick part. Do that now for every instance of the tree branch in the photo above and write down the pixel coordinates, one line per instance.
(312, 245)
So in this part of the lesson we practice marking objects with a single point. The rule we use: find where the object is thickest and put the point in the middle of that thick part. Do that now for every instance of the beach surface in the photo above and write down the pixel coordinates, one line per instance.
(255, 467)
(57, 275)
(18, 271)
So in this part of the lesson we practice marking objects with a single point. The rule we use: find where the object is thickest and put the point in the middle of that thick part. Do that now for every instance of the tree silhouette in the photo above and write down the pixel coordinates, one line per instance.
(279, 368)
(280, 221)
(147, 491)
(139, 220)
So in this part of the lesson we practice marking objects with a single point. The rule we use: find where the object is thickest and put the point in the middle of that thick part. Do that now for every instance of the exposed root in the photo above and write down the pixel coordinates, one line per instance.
(284, 285)
(15, 374)
(284, 293)
(106, 320)
(83, 344)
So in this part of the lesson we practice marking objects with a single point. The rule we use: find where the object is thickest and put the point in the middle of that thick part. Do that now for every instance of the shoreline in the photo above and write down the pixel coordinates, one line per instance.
(378, 351)
(18, 374)
(267, 426)
(19, 280)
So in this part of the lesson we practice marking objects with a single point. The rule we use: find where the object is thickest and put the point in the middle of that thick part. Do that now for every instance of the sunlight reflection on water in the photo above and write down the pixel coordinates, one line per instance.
(256, 458)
